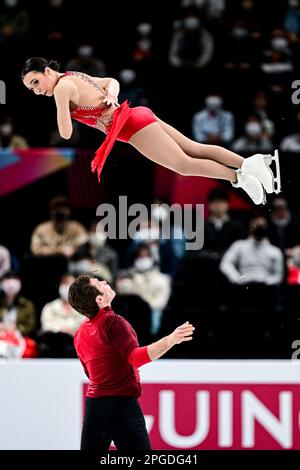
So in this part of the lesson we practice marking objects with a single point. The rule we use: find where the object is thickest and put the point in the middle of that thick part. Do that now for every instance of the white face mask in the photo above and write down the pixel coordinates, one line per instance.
(191, 23)
(293, 3)
(159, 213)
(85, 51)
(144, 28)
(125, 286)
(6, 129)
(143, 263)
(253, 129)
(98, 239)
(64, 291)
(80, 267)
(127, 76)
(279, 44)
(11, 286)
(213, 102)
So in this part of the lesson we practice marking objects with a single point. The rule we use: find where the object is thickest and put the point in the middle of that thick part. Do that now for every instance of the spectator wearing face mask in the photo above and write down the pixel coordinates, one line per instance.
(213, 125)
(95, 256)
(58, 316)
(134, 309)
(165, 239)
(254, 140)
(16, 312)
(143, 49)
(100, 251)
(8, 138)
(60, 235)
(277, 62)
(241, 47)
(192, 45)
(86, 62)
(254, 260)
(151, 285)
(130, 89)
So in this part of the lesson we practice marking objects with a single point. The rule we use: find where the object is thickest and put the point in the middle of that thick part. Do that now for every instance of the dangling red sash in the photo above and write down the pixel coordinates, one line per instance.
(119, 118)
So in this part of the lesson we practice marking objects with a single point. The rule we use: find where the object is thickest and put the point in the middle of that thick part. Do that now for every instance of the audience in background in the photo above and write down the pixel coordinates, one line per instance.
(213, 125)
(254, 140)
(58, 316)
(14, 21)
(60, 235)
(192, 45)
(259, 51)
(254, 260)
(220, 229)
(100, 251)
(291, 143)
(130, 88)
(86, 62)
(5, 261)
(151, 285)
(293, 266)
(8, 138)
(59, 322)
(16, 312)
(284, 227)
(132, 307)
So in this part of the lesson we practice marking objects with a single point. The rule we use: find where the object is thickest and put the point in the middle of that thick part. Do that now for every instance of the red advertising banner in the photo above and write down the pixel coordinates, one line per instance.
(222, 416)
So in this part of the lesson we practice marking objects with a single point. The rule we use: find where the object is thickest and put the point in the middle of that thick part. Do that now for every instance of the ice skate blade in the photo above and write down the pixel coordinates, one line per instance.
(269, 159)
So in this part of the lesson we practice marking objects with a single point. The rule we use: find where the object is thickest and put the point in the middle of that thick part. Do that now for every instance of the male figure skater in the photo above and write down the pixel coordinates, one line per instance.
(109, 351)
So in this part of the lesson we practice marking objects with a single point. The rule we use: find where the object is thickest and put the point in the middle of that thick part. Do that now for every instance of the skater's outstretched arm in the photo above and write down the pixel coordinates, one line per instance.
(145, 354)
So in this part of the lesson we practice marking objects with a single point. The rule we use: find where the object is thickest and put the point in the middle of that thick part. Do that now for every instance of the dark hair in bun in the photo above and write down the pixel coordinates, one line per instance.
(38, 64)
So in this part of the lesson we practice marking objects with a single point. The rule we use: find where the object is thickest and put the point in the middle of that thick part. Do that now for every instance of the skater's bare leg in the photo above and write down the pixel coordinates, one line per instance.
(197, 150)
(153, 142)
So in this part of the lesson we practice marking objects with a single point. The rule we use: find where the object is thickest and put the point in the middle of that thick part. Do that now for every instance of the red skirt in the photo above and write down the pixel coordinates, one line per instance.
(126, 122)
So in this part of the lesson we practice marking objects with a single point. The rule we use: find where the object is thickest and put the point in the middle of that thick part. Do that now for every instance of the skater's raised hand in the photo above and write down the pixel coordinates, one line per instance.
(183, 333)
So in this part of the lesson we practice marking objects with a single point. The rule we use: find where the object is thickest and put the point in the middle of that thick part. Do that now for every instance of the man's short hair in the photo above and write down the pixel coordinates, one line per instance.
(82, 296)
(58, 202)
(218, 194)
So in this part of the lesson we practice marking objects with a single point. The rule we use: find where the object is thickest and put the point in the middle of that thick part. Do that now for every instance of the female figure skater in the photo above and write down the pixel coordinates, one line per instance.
(94, 101)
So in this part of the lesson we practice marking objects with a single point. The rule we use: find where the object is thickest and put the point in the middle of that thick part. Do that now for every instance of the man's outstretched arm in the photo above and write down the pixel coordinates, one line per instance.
(145, 354)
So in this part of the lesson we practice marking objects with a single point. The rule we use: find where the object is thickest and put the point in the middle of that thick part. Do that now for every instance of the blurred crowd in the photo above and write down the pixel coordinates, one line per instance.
(220, 71)
(155, 276)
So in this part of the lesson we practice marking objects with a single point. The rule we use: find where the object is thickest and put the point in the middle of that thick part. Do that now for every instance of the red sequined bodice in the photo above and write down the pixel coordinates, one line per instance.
(99, 117)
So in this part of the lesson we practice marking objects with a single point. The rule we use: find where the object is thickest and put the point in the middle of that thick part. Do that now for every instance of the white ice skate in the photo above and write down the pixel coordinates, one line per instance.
(251, 185)
(259, 166)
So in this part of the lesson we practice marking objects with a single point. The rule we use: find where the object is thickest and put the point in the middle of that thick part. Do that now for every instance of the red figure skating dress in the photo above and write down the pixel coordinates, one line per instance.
(119, 124)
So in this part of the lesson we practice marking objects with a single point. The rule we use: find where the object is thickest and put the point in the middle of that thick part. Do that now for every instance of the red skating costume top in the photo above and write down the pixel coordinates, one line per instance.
(119, 124)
